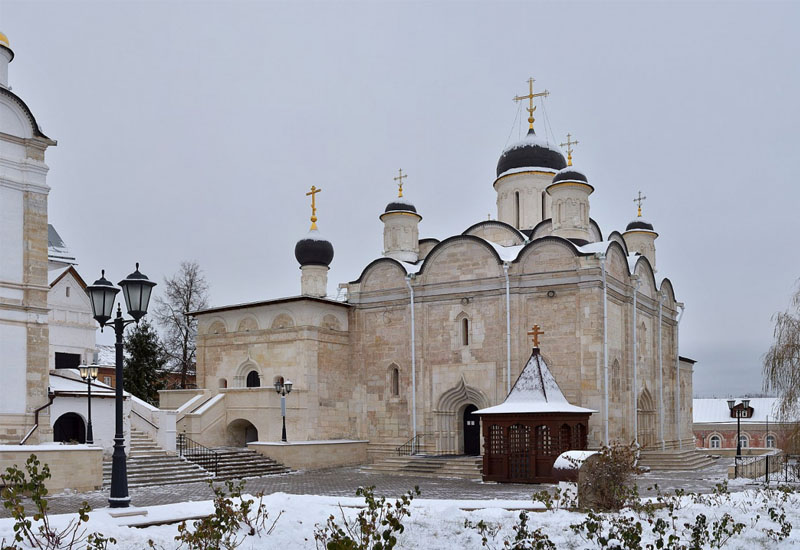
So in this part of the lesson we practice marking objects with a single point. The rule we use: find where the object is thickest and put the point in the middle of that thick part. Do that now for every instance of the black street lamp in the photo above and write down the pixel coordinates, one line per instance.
(137, 289)
(89, 374)
(282, 390)
(739, 412)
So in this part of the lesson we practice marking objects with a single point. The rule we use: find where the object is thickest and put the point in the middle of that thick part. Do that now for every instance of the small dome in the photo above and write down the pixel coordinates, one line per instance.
(570, 174)
(531, 152)
(313, 249)
(4, 41)
(400, 204)
(640, 223)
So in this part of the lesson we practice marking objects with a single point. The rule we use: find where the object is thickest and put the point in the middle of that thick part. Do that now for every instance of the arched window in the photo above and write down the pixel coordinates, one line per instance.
(395, 380)
(580, 437)
(744, 441)
(465, 331)
(770, 441)
(253, 380)
(715, 442)
(223, 383)
(565, 437)
(517, 215)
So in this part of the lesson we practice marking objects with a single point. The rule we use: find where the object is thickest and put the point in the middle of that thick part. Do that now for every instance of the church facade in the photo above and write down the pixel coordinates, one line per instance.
(432, 330)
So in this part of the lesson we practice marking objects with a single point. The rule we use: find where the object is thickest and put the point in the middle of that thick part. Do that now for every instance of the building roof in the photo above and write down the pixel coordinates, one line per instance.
(269, 303)
(68, 381)
(55, 275)
(56, 247)
(535, 391)
(531, 152)
(314, 249)
(715, 410)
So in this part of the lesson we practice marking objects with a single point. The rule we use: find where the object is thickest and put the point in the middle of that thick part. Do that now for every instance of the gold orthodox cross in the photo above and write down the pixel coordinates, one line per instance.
(531, 108)
(568, 144)
(535, 332)
(312, 193)
(399, 179)
(640, 199)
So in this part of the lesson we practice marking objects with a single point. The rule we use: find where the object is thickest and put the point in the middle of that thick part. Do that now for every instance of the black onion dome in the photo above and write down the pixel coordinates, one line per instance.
(400, 206)
(570, 174)
(639, 223)
(313, 250)
(531, 152)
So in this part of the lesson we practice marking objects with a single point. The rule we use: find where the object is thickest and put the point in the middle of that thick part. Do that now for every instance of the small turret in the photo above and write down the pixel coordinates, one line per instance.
(640, 237)
(6, 56)
(314, 254)
(401, 227)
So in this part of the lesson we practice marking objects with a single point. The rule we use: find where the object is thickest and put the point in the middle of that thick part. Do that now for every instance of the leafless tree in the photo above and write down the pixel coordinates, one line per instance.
(782, 362)
(185, 291)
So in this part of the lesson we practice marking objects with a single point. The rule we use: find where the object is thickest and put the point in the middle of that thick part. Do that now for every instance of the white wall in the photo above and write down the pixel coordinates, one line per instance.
(72, 329)
(102, 417)
(13, 358)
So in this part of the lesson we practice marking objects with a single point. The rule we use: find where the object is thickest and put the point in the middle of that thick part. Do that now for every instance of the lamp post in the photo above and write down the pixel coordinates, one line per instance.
(137, 289)
(739, 413)
(282, 390)
(89, 374)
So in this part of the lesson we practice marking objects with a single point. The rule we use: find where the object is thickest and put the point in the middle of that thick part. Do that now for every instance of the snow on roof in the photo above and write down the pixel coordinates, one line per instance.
(572, 460)
(56, 247)
(535, 391)
(402, 200)
(313, 235)
(594, 248)
(534, 139)
(526, 169)
(69, 381)
(106, 354)
(507, 253)
(715, 410)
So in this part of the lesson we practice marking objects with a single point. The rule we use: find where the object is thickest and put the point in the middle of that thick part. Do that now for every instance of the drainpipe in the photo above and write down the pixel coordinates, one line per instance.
(508, 331)
(678, 379)
(636, 282)
(661, 373)
(602, 258)
(409, 277)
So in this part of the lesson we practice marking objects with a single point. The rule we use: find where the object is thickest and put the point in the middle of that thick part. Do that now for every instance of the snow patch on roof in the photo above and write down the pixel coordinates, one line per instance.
(526, 169)
(535, 391)
(532, 139)
(106, 355)
(715, 410)
(507, 253)
(313, 235)
(54, 274)
(56, 247)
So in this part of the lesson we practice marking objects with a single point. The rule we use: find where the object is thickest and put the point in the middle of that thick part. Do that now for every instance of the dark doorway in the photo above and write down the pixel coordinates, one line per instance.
(69, 427)
(472, 431)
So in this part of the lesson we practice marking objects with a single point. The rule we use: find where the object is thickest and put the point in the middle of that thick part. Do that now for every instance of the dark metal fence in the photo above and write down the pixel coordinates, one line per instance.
(777, 468)
(206, 458)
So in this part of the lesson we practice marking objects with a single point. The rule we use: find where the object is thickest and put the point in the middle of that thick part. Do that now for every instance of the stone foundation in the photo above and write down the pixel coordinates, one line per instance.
(314, 455)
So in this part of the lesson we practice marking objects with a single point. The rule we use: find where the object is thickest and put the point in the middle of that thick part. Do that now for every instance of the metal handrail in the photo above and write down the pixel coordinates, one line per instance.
(143, 418)
(191, 450)
(410, 447)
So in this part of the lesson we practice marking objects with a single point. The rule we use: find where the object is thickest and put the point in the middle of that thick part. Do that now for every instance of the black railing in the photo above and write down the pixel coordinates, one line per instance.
(410, 447)
(206, 458)
(779, 468)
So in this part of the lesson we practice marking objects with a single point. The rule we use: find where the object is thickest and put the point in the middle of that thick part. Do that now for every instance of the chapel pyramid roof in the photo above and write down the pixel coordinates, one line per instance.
(535, 391)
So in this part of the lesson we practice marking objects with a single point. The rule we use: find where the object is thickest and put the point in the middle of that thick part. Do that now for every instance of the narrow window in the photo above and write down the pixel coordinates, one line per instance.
(744, 441)
(544, 215)
(67, 292)
(465, 331)
(395, 381)
(253, 380)
(516, 209)
(771, 441)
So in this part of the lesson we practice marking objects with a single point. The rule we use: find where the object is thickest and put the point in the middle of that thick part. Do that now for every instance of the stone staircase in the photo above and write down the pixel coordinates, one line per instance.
(463, 467)
(689, 459)
(149, 464)
(237, 462)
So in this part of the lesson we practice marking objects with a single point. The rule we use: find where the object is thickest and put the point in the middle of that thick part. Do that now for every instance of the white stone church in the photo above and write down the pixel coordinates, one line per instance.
(432, 330)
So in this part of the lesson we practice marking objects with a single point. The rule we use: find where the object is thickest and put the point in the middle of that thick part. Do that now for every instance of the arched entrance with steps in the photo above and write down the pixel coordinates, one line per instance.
(453, 412)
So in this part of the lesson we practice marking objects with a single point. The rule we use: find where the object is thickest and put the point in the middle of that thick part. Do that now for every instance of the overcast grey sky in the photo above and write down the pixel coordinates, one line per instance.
(192, 131)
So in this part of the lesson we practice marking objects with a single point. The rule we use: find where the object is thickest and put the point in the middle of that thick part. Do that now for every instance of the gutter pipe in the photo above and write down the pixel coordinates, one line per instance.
(508, 330)
(413, 369)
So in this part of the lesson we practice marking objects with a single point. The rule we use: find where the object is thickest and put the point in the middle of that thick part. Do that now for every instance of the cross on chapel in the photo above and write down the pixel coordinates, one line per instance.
(530, 95)
(399, 179)
(568, 144)
(640, 199)
(535, 332)
(312, 193)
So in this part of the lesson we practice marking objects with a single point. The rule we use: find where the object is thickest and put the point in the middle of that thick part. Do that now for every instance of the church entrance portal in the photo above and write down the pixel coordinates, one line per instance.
(646, 420)
(472, 431)
(69, 427)
(241, 432)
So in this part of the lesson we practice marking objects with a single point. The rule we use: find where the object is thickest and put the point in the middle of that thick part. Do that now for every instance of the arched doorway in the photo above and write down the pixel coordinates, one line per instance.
(253, 379)
(69, 427)
(646, 420)
(472, 431)
(449, 418)
(241, 432)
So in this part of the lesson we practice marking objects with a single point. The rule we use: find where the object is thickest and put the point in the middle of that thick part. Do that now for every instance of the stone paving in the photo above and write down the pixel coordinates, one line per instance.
(345, 481)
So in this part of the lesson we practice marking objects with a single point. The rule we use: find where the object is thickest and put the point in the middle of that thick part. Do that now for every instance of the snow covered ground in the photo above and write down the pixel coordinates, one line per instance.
(441, 524)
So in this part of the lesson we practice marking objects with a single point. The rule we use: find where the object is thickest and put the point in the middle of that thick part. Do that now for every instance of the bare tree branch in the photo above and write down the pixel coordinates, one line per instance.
(782, 362)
